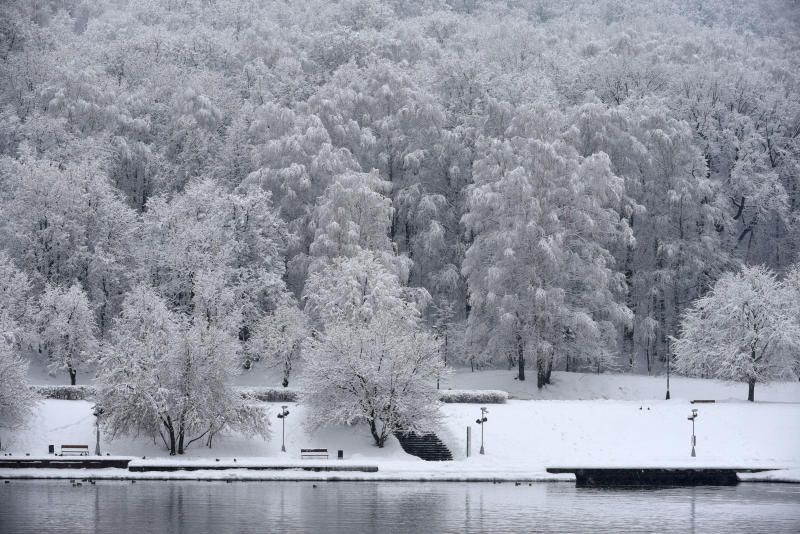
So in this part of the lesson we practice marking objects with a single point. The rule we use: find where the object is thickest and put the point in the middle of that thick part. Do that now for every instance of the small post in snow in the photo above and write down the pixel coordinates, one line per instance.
(694, 438)
(282, 416)
(469, 441)
(481, 422)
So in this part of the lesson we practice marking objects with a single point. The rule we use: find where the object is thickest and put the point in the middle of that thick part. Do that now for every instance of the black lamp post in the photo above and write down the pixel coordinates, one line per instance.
(694, 438)
(98, 411)
(282, 416)
(481, 422)
(669, 358)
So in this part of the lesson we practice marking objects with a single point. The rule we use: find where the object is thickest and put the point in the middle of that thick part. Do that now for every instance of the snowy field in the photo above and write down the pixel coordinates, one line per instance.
(523, 437)
(584, 386)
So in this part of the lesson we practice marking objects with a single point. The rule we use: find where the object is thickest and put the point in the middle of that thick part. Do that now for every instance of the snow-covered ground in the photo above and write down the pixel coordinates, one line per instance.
(522, 437)
(565, 386)
(585, 386)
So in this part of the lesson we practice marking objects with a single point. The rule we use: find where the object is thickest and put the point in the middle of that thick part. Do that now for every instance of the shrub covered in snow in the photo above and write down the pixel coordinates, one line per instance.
(266, 394)
(471, 396)
(60, 392)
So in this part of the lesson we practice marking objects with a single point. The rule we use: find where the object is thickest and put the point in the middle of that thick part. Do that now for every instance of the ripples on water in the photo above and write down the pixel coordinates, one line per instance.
(356, 507)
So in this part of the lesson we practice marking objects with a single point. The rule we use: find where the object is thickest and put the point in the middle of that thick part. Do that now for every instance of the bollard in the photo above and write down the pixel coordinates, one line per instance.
(340, 455)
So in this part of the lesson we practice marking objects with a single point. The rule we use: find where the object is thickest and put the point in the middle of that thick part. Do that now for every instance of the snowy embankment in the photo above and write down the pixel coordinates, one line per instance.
(522, 437)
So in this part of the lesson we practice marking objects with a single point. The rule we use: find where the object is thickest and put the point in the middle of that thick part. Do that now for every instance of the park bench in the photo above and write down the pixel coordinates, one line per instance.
(313, 454)
(77, 450)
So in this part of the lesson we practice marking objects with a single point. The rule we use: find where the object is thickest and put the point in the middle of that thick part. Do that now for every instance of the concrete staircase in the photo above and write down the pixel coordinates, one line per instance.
(426, 446)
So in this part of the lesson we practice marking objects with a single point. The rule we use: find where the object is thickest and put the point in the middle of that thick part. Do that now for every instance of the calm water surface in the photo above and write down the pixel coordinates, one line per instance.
(355, 507)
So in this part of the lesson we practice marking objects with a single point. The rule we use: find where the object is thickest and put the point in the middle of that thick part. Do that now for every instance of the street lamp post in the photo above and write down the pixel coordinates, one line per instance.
(669, 358)
(282, 416)
(98, 411)
(694, 438)
(481, 422)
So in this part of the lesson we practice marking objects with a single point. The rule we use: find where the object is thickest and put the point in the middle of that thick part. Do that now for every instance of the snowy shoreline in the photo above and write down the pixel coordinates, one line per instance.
(624, 424)
(785, 476)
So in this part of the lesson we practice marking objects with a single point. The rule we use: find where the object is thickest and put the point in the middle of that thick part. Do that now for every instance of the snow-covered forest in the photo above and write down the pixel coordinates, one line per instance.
(543, 185)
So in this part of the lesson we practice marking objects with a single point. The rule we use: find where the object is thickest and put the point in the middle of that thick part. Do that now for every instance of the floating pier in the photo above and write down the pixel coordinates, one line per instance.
(142, 467)
(656, 476)
(58, 462)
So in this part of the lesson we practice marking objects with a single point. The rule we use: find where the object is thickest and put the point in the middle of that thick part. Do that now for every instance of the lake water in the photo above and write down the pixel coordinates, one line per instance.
(353, 507)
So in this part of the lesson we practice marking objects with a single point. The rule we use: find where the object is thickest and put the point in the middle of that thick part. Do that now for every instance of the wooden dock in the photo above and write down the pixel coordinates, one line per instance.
(656, 476)
(59, 462)
(190, 466)
(135, 465)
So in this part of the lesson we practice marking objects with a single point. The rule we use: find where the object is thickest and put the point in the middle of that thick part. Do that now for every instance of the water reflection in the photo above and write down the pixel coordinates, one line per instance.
(198, 507)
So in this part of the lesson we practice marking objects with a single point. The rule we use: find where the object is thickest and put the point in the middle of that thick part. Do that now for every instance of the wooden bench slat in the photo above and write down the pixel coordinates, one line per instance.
(313, 453)
(80, 450)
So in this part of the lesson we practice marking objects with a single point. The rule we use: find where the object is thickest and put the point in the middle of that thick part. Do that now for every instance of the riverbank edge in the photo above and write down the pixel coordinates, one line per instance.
(243, 475)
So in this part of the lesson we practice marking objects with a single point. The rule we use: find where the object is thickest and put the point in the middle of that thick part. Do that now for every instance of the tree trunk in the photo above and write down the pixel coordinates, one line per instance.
(548, 371)
(520, 356)
(171, 430)
(379, 439)
(287, 369)
(751, 390)
(540, 373)
(181, 433)
(72, 374)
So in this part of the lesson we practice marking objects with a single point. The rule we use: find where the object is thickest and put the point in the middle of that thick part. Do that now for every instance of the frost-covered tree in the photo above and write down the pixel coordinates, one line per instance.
(68, 225)
(742, 330)
(356, 289)
(278, 338)
(113, 112)
(15, 308)
(539, 270)
(353, 214)
(381, 373)
(791, 285)
(214, 253)
(16, 398)
(166, 376)
(66, 329)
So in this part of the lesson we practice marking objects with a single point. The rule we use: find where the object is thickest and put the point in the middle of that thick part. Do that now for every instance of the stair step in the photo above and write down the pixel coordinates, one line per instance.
(426, 446)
